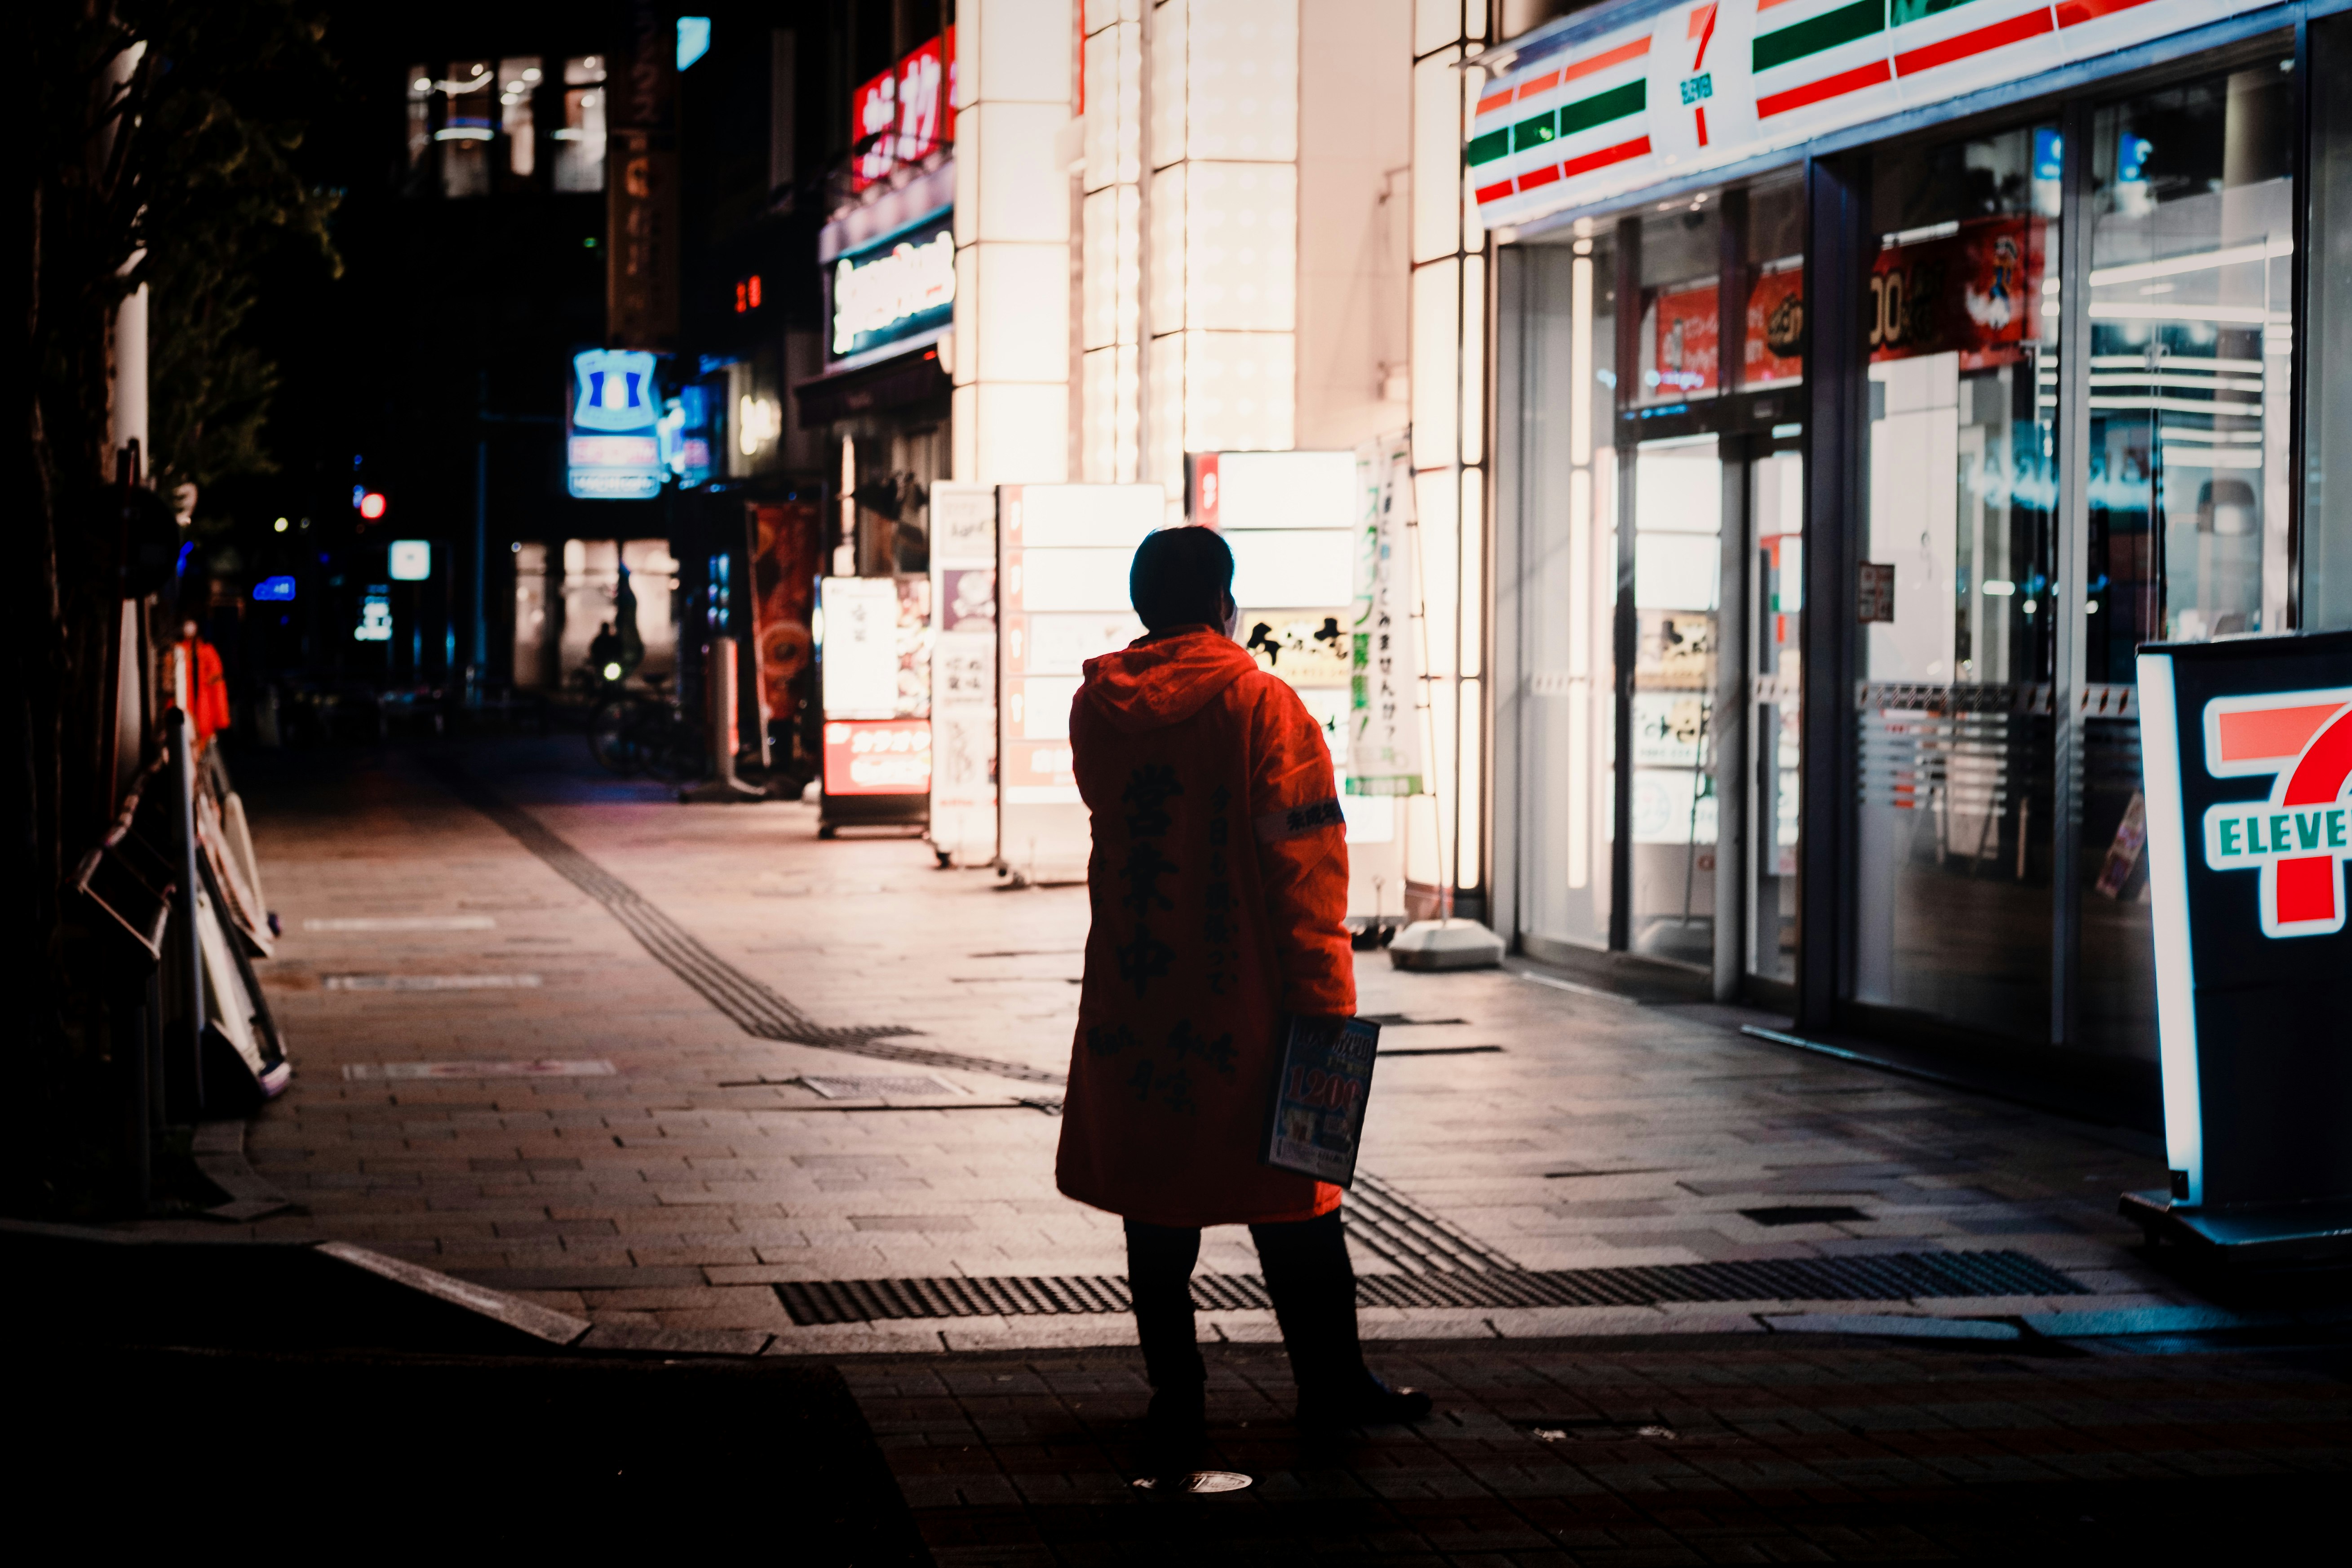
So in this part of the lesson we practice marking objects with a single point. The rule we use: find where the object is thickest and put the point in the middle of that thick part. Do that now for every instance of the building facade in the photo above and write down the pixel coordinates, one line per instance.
(1867, 383)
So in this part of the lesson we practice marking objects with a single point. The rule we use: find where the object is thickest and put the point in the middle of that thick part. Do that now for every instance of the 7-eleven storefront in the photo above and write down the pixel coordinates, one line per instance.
(1869, 380)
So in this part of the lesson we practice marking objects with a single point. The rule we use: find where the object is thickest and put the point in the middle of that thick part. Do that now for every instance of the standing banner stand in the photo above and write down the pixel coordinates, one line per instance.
(963, 674)
(1063, 553)
(2246, 747)
(1293, 522)
(877, 753)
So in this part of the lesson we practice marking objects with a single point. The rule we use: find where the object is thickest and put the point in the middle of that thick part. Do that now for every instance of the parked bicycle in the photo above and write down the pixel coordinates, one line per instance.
(646, 733)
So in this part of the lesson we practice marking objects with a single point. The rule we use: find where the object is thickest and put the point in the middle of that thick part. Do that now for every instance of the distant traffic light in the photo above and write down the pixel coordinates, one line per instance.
(372, 505)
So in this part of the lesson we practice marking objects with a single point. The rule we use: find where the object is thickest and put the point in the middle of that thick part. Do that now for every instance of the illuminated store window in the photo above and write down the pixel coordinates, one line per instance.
(518, 80)
(1954, 727)
(2326, 543)
(580, 150)
(420, 115)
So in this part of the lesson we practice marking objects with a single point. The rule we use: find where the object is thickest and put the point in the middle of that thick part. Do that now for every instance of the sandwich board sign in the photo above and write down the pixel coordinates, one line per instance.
(2247, 749)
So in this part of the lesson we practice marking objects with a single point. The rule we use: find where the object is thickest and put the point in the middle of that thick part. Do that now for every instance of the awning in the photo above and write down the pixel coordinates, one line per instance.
(913, 376)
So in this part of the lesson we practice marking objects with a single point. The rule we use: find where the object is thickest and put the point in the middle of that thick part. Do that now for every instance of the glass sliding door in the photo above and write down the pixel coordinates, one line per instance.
(1678, 577)
(2191, 250)
(1569, 592)
(1776, 508)
(1952, 913)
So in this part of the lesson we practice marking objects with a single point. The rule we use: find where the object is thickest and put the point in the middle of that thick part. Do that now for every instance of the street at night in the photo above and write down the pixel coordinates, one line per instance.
(1049, 782)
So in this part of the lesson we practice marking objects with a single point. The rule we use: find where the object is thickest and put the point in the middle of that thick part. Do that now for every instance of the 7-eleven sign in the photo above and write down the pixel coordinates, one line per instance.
(2299, 837)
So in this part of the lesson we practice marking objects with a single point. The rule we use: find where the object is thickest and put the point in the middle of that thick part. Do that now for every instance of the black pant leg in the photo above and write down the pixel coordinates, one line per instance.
(1314, 1289)
(1159, 1260)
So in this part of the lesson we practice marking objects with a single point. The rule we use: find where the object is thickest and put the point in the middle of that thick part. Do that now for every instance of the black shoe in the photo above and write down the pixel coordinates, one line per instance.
(1370, 1403)
(1175, 1431)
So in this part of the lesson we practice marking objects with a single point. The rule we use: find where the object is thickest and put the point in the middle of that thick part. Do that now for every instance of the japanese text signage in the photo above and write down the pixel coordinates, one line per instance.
(905, 114)
(1587, 114)
(2248, 756)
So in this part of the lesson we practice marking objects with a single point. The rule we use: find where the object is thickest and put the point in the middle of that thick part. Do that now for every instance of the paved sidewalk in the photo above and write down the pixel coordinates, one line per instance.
(1691, 1450)
(679, 1187)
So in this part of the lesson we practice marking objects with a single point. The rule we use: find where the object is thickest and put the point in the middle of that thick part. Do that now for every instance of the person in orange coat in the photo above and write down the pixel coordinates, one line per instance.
(208, 694)
(1219, 890)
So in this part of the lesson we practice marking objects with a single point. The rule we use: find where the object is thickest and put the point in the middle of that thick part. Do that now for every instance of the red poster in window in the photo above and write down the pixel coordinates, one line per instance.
(878, 757)
(783, 545)
(1975, 291)
(1774, 351)
(1681, 343)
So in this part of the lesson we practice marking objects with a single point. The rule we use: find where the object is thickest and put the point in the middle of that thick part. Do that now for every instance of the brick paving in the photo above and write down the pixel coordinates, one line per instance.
(675, 1192)
(667, 1200)
(1683, 1451)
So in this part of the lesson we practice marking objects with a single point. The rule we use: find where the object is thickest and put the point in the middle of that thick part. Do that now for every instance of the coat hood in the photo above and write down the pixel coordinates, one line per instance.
(1157, 682)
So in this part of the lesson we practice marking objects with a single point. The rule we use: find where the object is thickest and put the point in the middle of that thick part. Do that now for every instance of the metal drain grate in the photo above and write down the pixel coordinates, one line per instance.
(856, 1088)
(1895, 1277)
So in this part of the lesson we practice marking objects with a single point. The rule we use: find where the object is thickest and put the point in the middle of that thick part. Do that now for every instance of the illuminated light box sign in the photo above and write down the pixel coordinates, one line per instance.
(878, 757)
(895, 288)
(906, 113)
(1591, 111)
(613, 449)
(1290, 520)
(2247, 822)
(410, 560)
(273, 590)
(1062, 558)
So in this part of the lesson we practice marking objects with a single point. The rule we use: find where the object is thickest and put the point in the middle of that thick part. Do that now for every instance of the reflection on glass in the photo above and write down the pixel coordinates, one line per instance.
(1773, 351)
(1776, 499)
(1679, 357)
(2192, 225)
(1568, 405)
(1953, 734)
(518, 79)
(2324, 551)
(1677, 573)
(580, 144)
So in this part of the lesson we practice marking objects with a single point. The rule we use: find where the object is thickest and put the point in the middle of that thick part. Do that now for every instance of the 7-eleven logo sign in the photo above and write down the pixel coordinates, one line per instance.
(2298, 837)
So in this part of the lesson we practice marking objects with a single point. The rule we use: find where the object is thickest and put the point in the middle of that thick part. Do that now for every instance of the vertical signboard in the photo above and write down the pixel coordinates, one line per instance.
(641, 190)
(1063, 553)
(2247, 752)
(612, 446)
(1291, 519)
(782, 548)
(964, 673)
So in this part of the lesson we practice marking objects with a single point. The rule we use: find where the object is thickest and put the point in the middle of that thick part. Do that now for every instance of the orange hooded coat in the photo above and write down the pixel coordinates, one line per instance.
(1219, 885)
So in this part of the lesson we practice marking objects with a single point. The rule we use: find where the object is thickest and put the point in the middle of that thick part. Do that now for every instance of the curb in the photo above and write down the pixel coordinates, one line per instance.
(85, 1284)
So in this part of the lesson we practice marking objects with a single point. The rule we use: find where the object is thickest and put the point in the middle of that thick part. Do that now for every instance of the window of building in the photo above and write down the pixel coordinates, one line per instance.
(467, 128)
(2327, 544)
(519, 82)
(579, 152)
(1953, 904)
(420, 116)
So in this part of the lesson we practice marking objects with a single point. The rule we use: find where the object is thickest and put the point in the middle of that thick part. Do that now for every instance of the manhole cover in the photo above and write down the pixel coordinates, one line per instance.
(874, 1088)
(1803, 1213)
(1196, 1484)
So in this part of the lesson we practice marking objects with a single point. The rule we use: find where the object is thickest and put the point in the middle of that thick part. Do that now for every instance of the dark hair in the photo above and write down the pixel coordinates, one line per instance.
(1180, 576)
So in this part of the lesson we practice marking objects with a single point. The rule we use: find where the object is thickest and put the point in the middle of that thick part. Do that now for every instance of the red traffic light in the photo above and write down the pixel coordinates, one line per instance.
(372, 506)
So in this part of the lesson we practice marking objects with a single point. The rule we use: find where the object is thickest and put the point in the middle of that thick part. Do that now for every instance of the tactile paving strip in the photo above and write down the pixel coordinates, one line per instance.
(756, 1008)
(1894, 1276)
